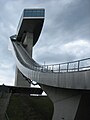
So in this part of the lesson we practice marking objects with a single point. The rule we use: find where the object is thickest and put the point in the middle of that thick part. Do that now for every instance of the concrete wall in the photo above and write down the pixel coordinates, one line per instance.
(74, 80)
(69, 104)
(65, 102)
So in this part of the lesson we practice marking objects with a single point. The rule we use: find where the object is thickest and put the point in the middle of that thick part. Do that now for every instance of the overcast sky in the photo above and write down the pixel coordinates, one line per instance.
(65, 35)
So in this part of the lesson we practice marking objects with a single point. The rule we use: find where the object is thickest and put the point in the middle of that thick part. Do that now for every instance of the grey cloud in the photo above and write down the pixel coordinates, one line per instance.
(71, 21)
(75, 19)
(64, 23)
(52, 58)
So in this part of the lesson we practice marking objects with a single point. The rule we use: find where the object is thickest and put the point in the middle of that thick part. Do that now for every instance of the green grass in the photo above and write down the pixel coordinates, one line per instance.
(20, 106)
(44, 106)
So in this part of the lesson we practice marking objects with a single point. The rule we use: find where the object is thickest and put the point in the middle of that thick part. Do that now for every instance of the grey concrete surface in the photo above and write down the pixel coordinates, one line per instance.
(65, 102)
(72, 80)
(20, 80)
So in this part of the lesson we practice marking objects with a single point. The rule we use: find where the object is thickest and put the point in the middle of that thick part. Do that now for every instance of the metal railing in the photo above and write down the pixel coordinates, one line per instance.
(72, 66)
(79, 65)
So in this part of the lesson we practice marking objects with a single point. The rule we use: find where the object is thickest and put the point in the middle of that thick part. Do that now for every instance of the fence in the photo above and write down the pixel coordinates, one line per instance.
(79, 65)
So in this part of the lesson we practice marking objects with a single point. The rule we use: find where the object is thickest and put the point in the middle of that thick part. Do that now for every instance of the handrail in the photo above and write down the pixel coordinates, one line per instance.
(71, 66)
(69, 61)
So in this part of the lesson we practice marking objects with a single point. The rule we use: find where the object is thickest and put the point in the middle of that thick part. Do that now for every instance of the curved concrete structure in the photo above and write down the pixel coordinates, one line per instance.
(32, 70)
(68, 88)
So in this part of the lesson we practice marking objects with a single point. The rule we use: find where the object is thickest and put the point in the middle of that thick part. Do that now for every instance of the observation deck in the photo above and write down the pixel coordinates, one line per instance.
(31, 21)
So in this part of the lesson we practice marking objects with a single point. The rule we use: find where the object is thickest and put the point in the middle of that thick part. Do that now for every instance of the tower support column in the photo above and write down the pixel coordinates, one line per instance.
(20, 80)
(28, 42)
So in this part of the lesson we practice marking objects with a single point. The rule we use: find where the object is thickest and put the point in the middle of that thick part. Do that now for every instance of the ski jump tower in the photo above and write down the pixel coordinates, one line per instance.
(28, 31)
(68, 88)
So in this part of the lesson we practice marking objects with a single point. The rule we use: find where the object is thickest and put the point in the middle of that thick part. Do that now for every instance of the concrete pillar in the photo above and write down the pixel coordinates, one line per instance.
(20, 80)
(28, 42)
(65, 102)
